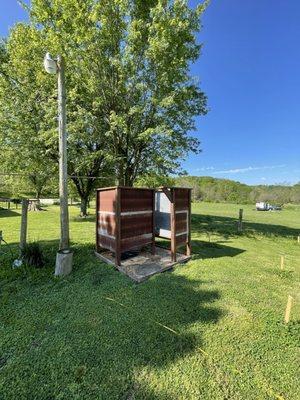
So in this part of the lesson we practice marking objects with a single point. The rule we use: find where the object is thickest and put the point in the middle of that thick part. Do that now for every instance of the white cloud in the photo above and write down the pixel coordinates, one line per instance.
(247, 169)
(204, 169)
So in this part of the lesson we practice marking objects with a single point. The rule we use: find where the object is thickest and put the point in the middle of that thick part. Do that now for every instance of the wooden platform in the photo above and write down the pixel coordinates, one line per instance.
(140, 266)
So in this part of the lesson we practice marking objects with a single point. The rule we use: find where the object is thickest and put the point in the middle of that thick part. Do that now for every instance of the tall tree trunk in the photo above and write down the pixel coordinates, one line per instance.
(125, 176)
(84, 207)
(38, 193)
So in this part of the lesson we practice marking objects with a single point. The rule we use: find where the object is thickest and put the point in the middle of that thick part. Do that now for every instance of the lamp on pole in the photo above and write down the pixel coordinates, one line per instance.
(64, 256)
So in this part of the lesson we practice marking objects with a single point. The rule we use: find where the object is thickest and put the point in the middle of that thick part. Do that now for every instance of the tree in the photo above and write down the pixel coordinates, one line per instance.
(131, 97)
(22, 150)
(295, 193)
(151, 117)
(154, 181)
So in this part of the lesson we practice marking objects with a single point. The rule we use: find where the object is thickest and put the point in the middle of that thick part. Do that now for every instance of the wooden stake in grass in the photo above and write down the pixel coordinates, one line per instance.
(288, 309)
(299, 239)
(282, 262)
(23, 231)
(240, 223)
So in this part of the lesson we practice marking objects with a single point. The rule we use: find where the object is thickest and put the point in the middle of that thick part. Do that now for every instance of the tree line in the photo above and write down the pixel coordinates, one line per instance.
(204, 188)
(224, 190)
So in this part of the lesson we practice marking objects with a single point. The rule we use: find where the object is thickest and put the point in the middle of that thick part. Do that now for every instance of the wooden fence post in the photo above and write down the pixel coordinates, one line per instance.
(282, 262)
(240, 223)
(288, 309)
(23, 232)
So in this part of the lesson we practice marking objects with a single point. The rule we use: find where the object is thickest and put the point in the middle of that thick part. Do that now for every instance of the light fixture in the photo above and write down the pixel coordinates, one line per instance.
(50, 64)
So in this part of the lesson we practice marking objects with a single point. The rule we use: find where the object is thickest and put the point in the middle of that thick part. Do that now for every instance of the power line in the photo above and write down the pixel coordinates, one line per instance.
(69, 176)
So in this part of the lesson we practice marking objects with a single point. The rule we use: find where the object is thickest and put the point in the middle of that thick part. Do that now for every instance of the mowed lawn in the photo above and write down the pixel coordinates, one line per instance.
(211, 329)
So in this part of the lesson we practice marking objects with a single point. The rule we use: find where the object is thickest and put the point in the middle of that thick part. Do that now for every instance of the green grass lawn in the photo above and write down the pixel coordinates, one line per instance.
(211, 329)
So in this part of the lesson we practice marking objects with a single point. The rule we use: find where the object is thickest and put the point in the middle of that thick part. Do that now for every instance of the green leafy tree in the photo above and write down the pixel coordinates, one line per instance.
(131, 98)
(295, 193)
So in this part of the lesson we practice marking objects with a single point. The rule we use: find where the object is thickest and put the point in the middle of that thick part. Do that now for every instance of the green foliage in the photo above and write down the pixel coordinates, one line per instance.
(131, 99)
(32, 255)
(66, 339)
(225, 190)
(154, 181)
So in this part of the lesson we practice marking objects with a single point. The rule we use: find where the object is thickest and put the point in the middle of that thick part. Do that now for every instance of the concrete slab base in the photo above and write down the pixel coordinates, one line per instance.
(139, 266)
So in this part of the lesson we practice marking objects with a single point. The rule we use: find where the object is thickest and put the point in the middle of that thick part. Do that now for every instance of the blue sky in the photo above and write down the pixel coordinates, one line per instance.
(250, 71)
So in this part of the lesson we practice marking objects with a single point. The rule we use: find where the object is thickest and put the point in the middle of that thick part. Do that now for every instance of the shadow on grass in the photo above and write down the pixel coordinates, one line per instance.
(227, 226)
(88, 218)
(5, 213)
(203, 250)
(99, 329)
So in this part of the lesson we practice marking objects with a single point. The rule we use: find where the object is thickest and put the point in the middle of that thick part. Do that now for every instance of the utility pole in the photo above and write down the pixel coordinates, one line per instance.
(64, 256)
(63, 172)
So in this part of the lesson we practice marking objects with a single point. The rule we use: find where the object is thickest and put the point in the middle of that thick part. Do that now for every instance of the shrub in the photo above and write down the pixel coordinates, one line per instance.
(32, 255)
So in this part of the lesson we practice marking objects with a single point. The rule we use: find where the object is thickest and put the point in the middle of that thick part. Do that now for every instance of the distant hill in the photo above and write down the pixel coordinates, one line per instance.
(207, 188)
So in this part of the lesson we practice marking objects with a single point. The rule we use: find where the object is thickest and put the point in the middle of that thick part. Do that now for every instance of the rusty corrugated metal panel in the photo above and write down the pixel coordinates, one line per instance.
(107, 243)
(135, 225)
(107, 200)
(136, 199)
(181, 222)
(107, 223)
(135, 242)
(182, 199)
(181, 239)
(124, 219)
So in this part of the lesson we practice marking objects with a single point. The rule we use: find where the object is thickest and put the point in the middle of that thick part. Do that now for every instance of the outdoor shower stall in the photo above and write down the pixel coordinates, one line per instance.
(173, 217)
(125, 220)
(129, 219)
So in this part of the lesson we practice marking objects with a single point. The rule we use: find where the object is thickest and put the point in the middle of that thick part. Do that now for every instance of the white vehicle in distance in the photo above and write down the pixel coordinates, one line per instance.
(262, 206)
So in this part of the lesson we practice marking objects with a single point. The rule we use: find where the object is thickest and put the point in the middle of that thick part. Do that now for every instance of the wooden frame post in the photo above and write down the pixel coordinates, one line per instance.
(153, 223)
(173, 226)
(97, 220)
(118, 228)
(188, 244)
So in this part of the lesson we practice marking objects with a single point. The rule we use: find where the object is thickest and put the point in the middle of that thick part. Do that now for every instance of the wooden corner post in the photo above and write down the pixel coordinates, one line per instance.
(173, 225)
(188, 244)
(153, 223)
(118, 228)
(97, 220)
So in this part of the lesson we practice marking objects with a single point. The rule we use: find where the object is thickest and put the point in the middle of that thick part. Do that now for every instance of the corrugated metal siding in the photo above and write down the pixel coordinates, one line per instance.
(136, 242)
(136, 199)
(182, 199)
(181, 222)
(107, 200)
(106, 242)
(136, 225)
(107, 223)
(106, 220)
(130, 224)
(134, 217)
(181, 239)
